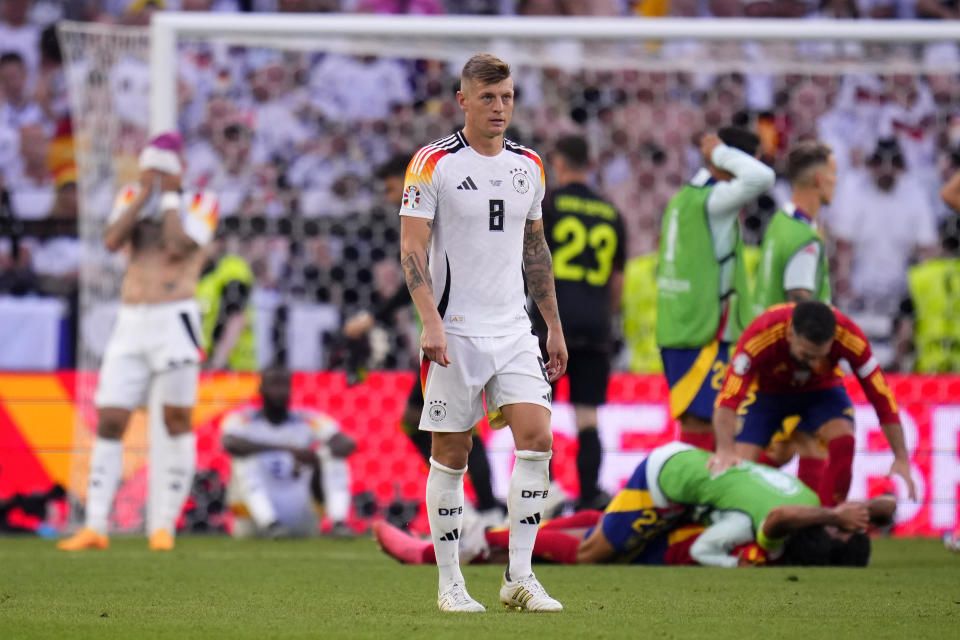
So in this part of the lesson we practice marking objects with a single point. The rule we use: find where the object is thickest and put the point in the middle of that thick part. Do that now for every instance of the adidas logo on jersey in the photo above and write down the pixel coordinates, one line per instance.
(451, 536)
(468, 185)
(534, 519)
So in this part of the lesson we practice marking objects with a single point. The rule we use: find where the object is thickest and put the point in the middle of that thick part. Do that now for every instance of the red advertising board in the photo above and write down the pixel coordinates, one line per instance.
(39, 444)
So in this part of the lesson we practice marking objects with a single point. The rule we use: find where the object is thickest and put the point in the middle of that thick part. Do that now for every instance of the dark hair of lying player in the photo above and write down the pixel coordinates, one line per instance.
(818, 546)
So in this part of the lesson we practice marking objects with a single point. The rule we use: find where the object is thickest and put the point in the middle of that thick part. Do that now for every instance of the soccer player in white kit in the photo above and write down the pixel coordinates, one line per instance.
(284, 463)
(472, 202)
(155, 340)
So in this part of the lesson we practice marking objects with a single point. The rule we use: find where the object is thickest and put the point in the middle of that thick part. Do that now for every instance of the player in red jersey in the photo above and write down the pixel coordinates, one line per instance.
(786, 363)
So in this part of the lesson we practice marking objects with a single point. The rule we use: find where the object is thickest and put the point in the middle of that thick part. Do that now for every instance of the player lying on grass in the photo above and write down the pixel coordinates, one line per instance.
(755, 514)
(284, 464)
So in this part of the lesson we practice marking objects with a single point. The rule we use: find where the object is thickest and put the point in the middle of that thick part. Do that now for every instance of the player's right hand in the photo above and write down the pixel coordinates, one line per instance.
(433, 342)
(170, 181)
(721, 461)
(708, 143)
(852, 516)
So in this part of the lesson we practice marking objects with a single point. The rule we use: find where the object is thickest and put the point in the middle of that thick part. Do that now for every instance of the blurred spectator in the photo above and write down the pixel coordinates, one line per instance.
(51, 90)
(938, 9)
(850, 125)
(19, 36)
(16, 110)
(30, 184)
(882, 221)
(909, 116)
(414, 7)
(358, 88)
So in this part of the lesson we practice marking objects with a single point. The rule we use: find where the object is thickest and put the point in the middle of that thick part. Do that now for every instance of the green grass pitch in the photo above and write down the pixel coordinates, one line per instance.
(220, 588)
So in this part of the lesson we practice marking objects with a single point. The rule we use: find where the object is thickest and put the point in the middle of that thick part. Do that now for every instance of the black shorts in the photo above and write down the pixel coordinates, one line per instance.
(589, 373)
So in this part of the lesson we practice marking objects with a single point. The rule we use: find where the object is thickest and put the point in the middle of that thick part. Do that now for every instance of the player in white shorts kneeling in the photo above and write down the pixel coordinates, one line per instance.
(155, 340)
(472, 202)
(285, 464)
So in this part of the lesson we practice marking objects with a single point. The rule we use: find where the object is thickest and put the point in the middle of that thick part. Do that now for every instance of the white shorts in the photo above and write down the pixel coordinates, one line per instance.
(152, 342)
(508, 369)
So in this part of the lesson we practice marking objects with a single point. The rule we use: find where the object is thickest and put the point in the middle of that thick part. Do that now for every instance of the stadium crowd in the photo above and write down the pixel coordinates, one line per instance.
(297, 146)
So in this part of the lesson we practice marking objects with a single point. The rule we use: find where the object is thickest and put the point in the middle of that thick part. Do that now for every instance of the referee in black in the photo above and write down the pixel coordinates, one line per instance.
(587, 239)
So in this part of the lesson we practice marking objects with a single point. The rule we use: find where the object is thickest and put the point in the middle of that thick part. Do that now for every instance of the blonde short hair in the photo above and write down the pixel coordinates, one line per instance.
(485, 69)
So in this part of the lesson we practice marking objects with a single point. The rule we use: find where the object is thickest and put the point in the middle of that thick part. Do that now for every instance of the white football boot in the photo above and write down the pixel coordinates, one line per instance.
(527, 594)
(455, 598)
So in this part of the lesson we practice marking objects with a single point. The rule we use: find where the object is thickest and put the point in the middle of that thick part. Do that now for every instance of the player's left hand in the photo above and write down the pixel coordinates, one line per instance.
(902, 468)
(557, 352)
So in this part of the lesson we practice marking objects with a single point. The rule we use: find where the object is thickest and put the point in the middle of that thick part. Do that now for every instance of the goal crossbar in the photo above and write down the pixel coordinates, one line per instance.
(167, 28)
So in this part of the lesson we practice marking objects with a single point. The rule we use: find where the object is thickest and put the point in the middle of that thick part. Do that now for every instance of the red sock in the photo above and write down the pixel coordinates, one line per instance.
(836, 477)
(554, 546)
(697, 439)
(579, 520)
(498, 538)
(767, 460)
(810, 471)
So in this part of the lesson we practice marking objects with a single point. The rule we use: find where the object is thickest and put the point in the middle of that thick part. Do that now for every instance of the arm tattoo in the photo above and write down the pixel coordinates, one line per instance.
(538, 267)
(416, 272)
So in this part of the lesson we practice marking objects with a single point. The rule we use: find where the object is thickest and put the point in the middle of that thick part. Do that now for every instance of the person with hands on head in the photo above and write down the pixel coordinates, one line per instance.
(702, 290)
(472, 203)
(155, 340)
(792, 353)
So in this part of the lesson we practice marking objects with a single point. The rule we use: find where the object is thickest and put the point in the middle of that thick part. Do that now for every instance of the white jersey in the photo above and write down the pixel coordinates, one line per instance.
(287, 485)
(479, 205)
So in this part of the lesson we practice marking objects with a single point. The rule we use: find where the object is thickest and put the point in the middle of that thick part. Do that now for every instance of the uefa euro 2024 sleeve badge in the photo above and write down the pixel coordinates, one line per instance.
(411, 197)
(521, 180)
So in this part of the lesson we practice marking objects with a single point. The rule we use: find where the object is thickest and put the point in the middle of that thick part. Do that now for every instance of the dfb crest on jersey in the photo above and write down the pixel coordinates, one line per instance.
(438, 410)
(521, 181)
(411, 197)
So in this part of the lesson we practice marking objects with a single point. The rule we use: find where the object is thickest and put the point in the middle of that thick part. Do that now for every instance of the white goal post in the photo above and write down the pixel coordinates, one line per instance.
(302, 30)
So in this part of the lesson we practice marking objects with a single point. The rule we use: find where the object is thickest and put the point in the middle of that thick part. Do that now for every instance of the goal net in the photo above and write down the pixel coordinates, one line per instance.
(290, 119)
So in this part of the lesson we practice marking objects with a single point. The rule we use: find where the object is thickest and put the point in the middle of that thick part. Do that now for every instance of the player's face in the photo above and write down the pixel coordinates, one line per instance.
(488, 107)
(393, 189)
(275, 388)
(828, 181)
(807, 354)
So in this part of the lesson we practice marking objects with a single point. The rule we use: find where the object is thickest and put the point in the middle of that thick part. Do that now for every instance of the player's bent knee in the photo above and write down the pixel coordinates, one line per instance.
(112, 423)
(177, 420)
(451, 449)
(836, 428)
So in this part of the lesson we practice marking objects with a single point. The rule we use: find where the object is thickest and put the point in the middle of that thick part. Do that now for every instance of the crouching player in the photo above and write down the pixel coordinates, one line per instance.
(791, 353)
(285, 462)
(154, 342)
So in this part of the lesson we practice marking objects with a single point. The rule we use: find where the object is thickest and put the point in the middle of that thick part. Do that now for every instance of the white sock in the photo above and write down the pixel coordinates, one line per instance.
(445, 514)
(335, 474)
(526, 500)
(246, 474)
(106, 469)
(179, 465)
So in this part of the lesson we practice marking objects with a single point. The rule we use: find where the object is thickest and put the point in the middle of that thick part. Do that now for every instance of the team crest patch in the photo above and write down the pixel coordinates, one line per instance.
(411, 197)
(438, 410)
(521, 181)
(741, 364)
